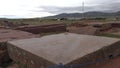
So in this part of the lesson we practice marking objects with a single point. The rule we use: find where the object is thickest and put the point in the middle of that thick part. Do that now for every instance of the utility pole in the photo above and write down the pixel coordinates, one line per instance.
(83, 6)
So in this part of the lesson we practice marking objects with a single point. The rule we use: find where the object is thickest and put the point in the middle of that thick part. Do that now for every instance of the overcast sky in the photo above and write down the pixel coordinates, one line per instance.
(41, 8)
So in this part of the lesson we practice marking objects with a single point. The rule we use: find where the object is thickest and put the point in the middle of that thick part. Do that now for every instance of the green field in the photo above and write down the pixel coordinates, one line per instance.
(39, 21)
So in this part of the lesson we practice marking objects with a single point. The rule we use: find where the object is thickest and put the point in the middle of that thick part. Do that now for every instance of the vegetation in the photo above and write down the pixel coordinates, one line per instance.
(40, 21)
(110, 35)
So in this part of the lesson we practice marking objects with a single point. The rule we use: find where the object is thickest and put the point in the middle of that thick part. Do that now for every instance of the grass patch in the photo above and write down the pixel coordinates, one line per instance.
(110, 35)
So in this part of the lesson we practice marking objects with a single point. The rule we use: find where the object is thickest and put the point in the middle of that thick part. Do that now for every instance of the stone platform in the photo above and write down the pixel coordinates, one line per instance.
(65, 48)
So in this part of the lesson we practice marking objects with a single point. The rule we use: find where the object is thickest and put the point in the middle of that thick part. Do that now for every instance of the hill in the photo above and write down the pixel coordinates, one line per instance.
(93, 14)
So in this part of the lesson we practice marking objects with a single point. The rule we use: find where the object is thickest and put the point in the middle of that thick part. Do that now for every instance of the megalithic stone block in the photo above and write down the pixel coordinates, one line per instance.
(7, 35)
(44, 28)
(66, 49)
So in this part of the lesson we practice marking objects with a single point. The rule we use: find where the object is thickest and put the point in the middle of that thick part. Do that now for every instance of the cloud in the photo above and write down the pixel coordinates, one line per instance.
(41, 8)
(57, 10)
(100, 1)
(110, 7)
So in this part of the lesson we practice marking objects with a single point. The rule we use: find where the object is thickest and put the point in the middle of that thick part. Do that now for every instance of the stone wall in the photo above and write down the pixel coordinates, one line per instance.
(44, 28)
(115, 25)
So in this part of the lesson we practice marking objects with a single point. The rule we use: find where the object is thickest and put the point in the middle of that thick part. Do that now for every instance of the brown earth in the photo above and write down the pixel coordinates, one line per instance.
(113, 63)
(87, 30)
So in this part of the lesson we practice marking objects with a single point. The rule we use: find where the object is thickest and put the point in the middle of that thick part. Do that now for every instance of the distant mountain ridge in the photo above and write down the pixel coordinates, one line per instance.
(86, 14)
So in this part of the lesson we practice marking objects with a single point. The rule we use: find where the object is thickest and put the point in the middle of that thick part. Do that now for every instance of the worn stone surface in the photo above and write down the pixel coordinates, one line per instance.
(65, 48)
(7, 35)
(44, 28)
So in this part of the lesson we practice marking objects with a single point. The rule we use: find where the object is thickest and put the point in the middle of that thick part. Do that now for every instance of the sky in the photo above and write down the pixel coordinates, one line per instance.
(42, 8)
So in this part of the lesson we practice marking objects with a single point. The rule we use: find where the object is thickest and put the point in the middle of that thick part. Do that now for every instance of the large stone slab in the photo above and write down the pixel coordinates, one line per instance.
(65, 48)
(44, 28)
(7, 35)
